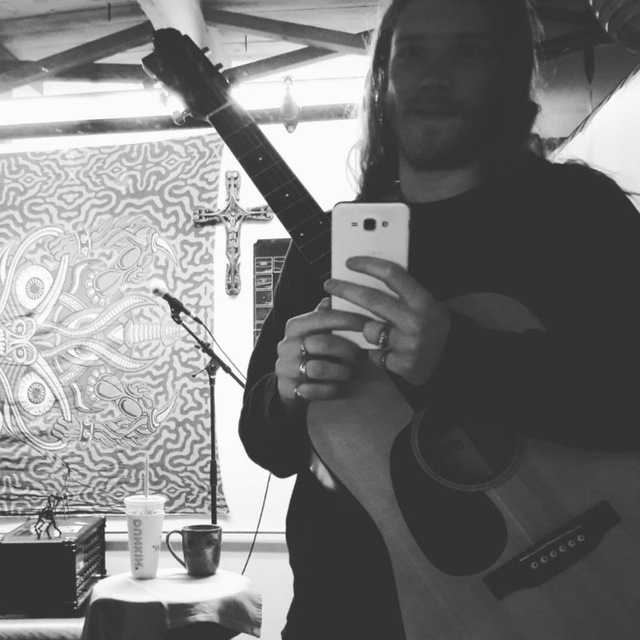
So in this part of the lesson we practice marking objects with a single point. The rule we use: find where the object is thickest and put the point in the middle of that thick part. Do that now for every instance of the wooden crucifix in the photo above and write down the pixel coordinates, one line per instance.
(232, 216)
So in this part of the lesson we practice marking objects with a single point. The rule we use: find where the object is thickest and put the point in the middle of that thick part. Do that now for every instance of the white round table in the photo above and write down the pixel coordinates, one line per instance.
(173, 605)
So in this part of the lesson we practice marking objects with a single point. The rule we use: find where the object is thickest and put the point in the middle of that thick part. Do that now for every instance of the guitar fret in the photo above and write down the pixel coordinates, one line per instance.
(264, 170)
(292, 218)
(324, 259)
(263, 163)
(310, 228)
(315, 248)
(288, 193)
(301, 216)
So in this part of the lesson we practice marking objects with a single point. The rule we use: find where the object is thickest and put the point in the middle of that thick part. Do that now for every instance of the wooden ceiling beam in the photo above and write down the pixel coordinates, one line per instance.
(161, 123)
(6, 55)
(134, 73)
(274, 64)
(552, 13)
(338, 41)
(60, 21)
(577, 41)
(283, 62)
(82, 54)
(95, 72)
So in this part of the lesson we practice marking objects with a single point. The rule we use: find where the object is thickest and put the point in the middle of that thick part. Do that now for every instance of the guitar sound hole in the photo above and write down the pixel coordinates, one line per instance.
(466, 452)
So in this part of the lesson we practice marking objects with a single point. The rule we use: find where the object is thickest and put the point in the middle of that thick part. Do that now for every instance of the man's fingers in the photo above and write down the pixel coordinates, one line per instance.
(381, 304)
(329, 346)
(312, 391)
(324, 320)
(321, 370)
(392, 274)
(324, 304)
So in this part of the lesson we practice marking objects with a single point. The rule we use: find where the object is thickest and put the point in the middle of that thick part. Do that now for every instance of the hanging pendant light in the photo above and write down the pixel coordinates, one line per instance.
(621, 20)
(290, 109)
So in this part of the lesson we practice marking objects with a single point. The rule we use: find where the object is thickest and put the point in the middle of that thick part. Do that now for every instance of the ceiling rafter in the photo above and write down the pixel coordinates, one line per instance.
(6, 55)
(82, 54)
(133, 73)
(339, 41)
(553, 13)
(571, 42)
(284, 61)
(58, 21)
(93, 72)
(314, 113)
(74, 63)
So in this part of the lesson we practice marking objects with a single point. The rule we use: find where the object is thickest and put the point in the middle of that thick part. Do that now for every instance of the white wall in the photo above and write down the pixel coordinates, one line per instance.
(564, 93)
(317, 153)
(610, 139)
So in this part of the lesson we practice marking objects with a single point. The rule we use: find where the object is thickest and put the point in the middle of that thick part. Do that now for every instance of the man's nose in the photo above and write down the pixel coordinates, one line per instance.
(435, 73)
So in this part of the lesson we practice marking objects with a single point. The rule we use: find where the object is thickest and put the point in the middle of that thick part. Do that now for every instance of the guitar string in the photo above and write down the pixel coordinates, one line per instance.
(306, 207)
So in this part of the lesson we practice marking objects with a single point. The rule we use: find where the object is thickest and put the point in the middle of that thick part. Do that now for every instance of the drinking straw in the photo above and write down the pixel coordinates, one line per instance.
(146, 474)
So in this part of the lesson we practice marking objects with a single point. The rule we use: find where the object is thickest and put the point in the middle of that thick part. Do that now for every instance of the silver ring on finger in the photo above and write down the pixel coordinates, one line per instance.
(383, 336)
(303, 350)
(298, 395)
(303, 369)
(384, 354)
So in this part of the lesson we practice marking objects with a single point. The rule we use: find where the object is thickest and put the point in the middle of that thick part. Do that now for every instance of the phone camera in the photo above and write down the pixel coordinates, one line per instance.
(369, 224)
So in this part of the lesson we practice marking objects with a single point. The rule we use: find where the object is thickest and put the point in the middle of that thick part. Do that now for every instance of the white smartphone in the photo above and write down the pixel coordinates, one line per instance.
(380, 230)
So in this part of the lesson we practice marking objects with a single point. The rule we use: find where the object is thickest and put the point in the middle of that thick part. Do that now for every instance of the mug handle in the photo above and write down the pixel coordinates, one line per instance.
(171, 551)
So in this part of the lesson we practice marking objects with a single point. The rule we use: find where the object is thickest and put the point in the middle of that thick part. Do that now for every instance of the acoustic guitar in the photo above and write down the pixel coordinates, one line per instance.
(491, 536)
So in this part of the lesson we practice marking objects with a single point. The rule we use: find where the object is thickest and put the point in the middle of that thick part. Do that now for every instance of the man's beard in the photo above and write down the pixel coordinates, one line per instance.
(441, 145)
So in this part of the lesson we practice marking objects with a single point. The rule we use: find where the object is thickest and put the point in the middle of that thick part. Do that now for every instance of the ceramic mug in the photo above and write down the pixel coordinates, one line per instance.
(201, 545)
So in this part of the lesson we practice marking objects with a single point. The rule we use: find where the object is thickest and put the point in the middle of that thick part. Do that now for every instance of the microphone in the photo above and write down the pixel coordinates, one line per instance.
(159, 290)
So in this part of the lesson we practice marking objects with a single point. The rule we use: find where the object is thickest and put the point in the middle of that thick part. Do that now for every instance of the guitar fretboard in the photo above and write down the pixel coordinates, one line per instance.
(300, 214)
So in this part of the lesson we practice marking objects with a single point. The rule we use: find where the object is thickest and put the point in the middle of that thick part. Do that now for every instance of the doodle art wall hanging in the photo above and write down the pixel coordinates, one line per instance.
(94, 374)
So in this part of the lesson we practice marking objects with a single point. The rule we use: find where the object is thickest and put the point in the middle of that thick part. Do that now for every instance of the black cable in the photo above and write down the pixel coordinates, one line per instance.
(255, 535)
(229, 360)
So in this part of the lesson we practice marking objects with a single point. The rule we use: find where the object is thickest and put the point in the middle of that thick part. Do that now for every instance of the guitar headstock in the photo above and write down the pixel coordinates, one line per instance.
(181, 66)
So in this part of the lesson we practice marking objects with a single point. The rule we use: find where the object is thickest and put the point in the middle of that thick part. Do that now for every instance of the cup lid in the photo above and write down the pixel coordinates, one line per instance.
(145, 503)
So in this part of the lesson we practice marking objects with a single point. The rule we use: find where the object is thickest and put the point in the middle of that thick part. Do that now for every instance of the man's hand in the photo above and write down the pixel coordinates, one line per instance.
(414, 326)
(312, 363)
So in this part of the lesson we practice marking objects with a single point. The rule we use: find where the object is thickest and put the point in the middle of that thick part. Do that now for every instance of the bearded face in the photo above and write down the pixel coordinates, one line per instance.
(446, 77)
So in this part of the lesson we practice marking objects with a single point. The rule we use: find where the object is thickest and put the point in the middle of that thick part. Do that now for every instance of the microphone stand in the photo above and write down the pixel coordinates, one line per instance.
(212, 367)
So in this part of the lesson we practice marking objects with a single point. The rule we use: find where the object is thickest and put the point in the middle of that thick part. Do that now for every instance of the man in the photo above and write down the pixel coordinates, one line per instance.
(448, 114)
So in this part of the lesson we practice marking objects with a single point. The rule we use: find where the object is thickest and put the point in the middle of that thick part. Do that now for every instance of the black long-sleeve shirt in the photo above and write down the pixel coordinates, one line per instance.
(563, 241)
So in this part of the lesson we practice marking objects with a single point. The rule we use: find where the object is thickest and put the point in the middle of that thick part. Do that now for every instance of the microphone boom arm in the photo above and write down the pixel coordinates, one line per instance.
(211, 370)
(205, 347)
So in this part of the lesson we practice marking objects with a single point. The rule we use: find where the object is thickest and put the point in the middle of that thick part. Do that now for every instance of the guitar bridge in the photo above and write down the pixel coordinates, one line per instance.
(555, 553)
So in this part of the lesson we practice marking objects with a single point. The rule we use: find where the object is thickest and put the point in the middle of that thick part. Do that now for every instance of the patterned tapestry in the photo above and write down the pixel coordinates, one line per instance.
(94, 373)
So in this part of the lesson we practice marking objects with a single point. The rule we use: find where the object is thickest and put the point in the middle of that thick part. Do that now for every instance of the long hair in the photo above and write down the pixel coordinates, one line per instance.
(378, 151)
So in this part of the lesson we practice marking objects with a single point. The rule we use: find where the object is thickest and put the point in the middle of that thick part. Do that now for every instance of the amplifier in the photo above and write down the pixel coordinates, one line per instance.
(51, 576)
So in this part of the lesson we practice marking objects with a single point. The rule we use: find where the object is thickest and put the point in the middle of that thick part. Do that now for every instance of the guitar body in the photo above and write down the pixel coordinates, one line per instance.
(567, 566)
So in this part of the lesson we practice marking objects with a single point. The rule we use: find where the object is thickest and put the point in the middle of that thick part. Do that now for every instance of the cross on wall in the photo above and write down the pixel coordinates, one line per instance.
(232, 215)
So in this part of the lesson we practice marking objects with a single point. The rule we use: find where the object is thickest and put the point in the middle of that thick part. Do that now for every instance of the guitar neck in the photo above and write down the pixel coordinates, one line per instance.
(300, 214)
(180, 64)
